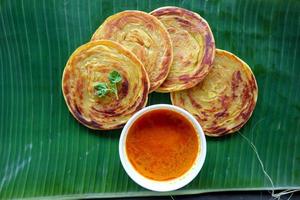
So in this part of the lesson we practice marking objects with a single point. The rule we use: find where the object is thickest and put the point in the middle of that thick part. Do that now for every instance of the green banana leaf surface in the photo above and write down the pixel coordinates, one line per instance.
(46, 153)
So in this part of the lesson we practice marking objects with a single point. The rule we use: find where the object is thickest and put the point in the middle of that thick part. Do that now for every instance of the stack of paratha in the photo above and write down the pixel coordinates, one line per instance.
(168, 50)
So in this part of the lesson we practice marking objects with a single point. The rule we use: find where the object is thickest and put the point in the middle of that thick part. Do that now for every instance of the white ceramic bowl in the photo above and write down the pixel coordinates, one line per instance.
(169, 185)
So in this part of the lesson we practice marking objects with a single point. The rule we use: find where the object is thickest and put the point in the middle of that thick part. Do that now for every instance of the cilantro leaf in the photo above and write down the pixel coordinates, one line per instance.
(101, 89)
(114, 77)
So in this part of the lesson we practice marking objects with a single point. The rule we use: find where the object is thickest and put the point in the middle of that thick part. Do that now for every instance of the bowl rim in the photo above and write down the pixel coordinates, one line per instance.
(168, 185)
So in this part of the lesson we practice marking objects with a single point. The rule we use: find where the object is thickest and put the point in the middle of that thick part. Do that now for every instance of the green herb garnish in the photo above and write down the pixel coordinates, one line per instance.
(103, 88)
(114, 77)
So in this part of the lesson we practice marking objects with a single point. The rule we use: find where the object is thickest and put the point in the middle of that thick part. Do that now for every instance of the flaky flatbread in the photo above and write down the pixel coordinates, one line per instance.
(91, 64)
(193, 47)
(226, 98)
(146, 37)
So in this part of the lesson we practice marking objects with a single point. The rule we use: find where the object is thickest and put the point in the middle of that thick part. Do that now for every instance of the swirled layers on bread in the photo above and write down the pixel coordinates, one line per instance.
(90, 64)
(224, 101)
(193, 47)
(146, 37)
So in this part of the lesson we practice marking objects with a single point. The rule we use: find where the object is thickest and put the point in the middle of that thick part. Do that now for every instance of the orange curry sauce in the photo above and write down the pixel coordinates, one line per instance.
(162, 145)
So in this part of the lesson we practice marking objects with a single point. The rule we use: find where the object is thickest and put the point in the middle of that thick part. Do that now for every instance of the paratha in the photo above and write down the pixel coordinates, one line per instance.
(193, 47)
(146, 37)
(224, 101)
(91, 64)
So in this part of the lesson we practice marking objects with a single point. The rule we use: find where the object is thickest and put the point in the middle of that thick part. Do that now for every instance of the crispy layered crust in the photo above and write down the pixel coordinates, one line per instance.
(91, 63)
(193, 47)
(224, 101)
(146, 37)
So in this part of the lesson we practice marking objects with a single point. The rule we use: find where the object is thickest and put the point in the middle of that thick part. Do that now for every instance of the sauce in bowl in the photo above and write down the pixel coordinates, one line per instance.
(162, 144)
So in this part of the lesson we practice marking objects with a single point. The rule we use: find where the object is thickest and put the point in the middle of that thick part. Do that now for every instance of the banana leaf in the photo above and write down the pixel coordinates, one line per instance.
(45, 153)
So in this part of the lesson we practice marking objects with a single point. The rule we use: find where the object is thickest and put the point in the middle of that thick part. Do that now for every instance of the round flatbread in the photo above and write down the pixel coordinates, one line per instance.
(146, 37)
(224, 101)
(90, 65)
(193, 47)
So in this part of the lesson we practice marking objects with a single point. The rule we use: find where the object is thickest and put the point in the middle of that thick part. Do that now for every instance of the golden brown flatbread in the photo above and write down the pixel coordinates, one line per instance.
(224, 101)
(193, 47)
(92, 63)
(146, 37)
